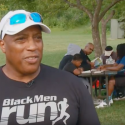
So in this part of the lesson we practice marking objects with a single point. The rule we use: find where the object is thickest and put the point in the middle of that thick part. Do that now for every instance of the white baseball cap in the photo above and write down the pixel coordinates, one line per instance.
(108, 53)
(108, 50)
(7, 28)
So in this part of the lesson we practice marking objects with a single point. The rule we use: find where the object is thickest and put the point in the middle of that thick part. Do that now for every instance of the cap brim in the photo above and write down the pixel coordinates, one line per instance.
(108, 53)
(14, 29)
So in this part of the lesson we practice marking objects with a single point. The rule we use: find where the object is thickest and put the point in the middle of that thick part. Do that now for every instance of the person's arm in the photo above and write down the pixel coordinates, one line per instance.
(103, 58)
(77, 72)
(110, 65)
(87, 114)
(81, 69)
(106, 66)
(91, 64)
(119, 66)
(115, 68)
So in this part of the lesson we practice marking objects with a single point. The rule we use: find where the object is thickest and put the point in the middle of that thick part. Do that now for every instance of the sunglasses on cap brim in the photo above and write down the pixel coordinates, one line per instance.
(21, 18)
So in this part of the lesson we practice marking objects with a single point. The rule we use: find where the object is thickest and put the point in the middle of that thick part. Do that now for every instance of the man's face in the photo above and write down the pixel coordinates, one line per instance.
(89, 49)
(24, 50)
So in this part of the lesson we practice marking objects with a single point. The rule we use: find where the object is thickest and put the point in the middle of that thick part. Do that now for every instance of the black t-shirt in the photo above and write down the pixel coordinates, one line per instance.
(85, 64)
(65, 60)
(55, 97)
(68, 58)
(70, 67)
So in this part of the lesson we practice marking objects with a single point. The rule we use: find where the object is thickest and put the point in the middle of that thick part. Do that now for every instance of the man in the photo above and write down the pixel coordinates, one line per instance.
(109, 56)
(30, 91)
(74, 49)
(74, 68)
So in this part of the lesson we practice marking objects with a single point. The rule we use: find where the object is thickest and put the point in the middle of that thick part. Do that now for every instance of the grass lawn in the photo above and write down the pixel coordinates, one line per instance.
(55, 46)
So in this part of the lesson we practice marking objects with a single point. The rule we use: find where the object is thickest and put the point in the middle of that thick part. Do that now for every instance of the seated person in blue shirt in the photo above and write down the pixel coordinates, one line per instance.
(74, 68)
(118, 80)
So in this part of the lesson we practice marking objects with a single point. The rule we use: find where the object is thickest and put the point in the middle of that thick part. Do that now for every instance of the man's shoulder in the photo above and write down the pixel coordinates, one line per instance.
(1, 70)
(84, 56)
(114, 54)
(82, 53)
(69, 64)
(53, 70)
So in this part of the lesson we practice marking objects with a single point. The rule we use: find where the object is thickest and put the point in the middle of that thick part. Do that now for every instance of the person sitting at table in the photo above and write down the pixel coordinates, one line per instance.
(119, 79)
(74, 49)
(74, 68)
(109, 56)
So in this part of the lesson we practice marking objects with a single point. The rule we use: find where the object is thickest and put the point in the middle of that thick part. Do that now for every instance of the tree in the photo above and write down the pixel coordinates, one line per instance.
(104, 23)
(10, 5)
(95, 9)
(96, 12)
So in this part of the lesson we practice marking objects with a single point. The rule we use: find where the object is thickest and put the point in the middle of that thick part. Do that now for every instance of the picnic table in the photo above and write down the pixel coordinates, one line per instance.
(95, 73)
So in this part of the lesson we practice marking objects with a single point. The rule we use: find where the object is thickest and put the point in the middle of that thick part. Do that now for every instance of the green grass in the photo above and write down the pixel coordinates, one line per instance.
(55, 46)
(113, 115)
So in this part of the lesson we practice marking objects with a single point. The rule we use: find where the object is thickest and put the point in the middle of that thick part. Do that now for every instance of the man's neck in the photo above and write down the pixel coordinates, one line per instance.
(17, 76)
(84, 51)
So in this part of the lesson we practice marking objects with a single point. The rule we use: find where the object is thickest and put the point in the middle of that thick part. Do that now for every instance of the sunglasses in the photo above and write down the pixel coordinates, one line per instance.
(21, 18)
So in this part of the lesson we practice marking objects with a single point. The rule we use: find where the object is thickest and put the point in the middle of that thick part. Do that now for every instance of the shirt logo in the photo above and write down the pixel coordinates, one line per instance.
(38, 105)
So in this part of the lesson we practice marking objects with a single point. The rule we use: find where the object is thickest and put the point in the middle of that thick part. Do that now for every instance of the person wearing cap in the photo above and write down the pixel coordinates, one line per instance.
(75, 49)
(109, 56)
(119, 79)
(31, 92)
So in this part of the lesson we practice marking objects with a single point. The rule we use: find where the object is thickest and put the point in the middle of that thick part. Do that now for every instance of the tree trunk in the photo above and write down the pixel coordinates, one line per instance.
(104, 23)
(104, 42)
(96, 40)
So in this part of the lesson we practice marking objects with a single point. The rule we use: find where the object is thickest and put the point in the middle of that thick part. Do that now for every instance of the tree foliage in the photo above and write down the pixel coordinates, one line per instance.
(57, 12)
(70, 13)
(96, 13)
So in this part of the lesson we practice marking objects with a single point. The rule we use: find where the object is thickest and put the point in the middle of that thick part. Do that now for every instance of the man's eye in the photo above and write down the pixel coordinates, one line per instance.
(38, 37)
(21, 38)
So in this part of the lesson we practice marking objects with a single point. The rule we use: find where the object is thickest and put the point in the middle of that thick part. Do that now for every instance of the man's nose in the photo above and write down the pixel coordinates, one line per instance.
(32, 44)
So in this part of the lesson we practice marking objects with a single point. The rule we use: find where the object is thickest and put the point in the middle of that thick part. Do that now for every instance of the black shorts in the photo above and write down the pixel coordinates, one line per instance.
(120, 81)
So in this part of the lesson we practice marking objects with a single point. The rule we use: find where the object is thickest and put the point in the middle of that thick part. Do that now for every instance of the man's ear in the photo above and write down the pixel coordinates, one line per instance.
(2, 46)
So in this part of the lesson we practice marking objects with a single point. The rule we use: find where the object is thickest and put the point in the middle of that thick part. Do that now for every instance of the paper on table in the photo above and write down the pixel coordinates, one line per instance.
(98, 71)
(88, 71)
(93, 70)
